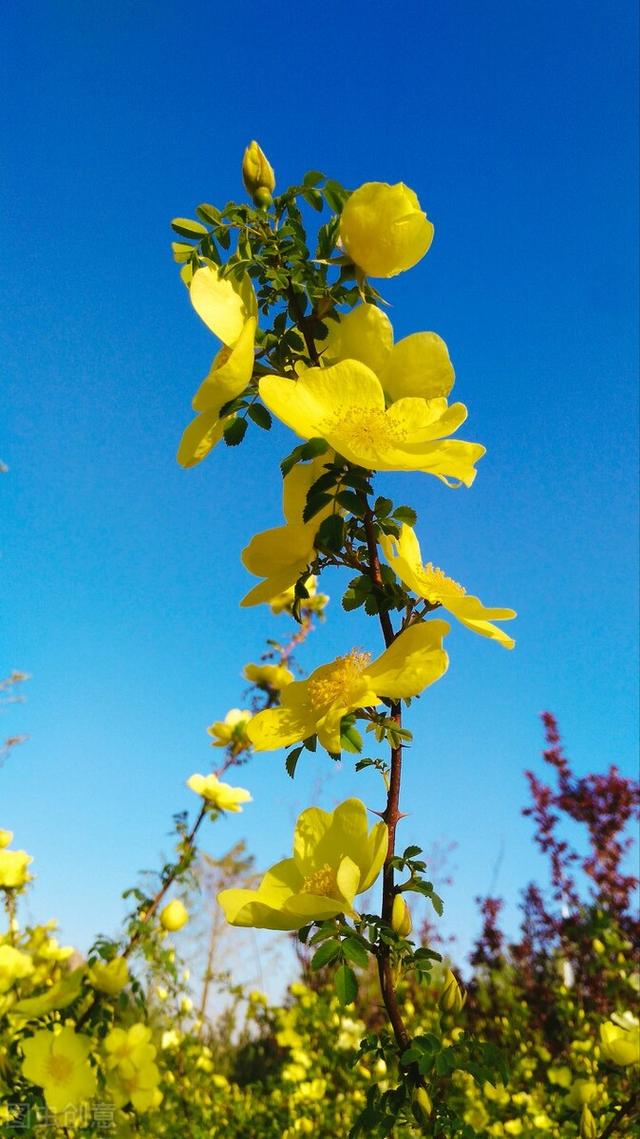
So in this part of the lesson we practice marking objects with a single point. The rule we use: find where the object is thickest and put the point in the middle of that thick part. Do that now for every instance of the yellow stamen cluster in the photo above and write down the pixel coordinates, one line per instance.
(324, 690)
(437, 584)
(60, 1068)
(322, 883)
(367, 429)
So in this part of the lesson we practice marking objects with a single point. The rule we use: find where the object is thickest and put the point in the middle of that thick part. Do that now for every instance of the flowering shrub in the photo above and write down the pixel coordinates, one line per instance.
(378, 1037)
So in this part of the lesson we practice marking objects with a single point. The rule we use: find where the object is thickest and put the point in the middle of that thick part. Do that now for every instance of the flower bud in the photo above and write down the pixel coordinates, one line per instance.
(400, 917)
(598, 946)
(258, 175)
(421, 1105)
(452, 997)
(587, 1124)
(174, 916)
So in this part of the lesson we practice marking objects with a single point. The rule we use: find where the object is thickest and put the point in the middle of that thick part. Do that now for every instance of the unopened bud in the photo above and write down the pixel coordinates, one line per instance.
(400, 917)
(258, 175)
(598, 946)
(588, 1128)
(421, 1105)
(452, 997)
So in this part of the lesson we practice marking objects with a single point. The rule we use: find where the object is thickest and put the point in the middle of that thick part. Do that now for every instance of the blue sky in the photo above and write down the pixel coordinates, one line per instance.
(515, 124)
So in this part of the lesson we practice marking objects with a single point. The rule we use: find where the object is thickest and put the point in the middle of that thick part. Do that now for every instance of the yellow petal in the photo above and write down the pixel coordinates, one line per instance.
(199, 438)
(278, 727)
(364, 334)
(419, 365)
(415, 660)
(230, 372)
(223, 303)
(471, 612)
(423, 420)
(296, 486)
(310, 405)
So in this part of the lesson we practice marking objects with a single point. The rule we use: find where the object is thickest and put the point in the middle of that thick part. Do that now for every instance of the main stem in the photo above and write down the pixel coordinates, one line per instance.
(391, 814)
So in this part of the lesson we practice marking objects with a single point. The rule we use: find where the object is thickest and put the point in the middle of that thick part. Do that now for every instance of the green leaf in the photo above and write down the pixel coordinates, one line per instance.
(234, 431)
(259, 414)
(314, 198)
(382, 507)
(351, 502)
(346, 985)
(181, 251)
(315, 503)
(352, 600)
(412, 851)
(437, 903)
(355, 952)
(208, 213)
(313, 447)
(335, 195)
(405, 514)
(312, 178)
(331, 533)
(328, 952)
(188, 228)
(291, 761)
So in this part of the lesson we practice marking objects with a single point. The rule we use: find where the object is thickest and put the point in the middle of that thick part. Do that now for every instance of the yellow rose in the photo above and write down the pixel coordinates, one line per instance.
(174, 916)
(383, 230)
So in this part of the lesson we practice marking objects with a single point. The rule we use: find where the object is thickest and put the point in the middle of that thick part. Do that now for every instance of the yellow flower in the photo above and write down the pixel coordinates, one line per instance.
(274, 676)
(419, 365)
(345, 404)
(405, 559)
(335, 857)
(582, 1091)
(5, 838)
(415, 660)
(228, 308)
(174, 916)
(14, 965)
(133, 1075)
(13, 868)
(109, 977)
(281, 555)
(258, 175)
(383, 230)
(620, 1045)
(220, 795)
(314, 603)
(231, 730)
(452, 997)
(58, 1063)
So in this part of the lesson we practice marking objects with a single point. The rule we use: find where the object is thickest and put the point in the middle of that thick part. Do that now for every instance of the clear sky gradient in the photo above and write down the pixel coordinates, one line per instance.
(515, 123)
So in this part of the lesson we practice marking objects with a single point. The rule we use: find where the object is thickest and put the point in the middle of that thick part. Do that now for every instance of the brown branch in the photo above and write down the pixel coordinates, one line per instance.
(626, 1109)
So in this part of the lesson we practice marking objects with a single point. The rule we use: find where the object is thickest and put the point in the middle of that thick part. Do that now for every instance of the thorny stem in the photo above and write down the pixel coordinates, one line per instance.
(391, 813)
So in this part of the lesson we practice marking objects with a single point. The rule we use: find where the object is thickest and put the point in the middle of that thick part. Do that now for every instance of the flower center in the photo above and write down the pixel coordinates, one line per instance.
(437, 585)
(367, 430)
(337, 679)
(60, 1069)
(322, 882)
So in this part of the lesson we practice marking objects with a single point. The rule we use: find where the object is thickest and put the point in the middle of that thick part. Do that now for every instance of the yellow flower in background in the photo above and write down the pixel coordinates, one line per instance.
(232, 731)
(220, 795)
(109, 977)
(133, 1076)
(274, 676)
(405, 559)
(345, 404)
(415, 660)
(58, 1063)
(14, 868)
(620, 1045)
(335, 858)
(582, 1091)
(315, 602)
(174, 916)
(282, 554)
(418, 366)
(228, 307)
(383, 230)
(5, 838)
(14, 965)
